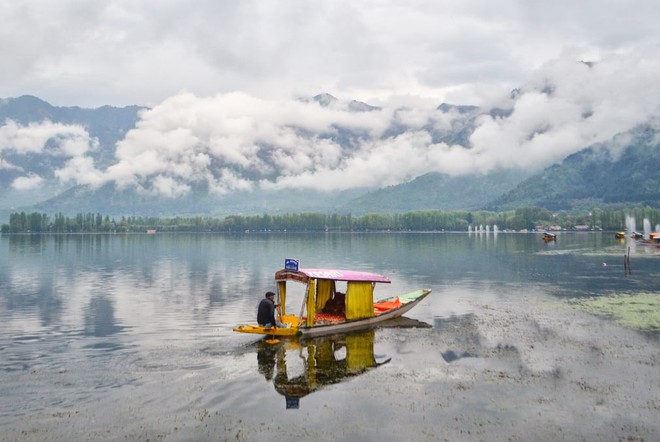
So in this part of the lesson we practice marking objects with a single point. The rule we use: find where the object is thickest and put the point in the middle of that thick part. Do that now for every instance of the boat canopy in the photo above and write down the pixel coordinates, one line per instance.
(304, 275)
(357, 301)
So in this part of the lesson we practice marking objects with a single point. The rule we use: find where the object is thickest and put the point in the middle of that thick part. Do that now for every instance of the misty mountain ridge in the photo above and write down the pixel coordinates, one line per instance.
(609, 173)
(623, 171)
(107, 124)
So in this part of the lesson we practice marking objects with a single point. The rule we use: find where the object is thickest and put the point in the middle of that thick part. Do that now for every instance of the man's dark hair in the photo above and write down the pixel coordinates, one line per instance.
(269, 294)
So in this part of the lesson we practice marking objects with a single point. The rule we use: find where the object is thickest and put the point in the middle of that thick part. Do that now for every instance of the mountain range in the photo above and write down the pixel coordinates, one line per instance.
(620, 171)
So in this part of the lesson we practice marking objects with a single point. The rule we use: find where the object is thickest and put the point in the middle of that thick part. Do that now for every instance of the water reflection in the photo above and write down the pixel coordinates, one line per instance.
(100, 318)
(300, 367)
(462, 339)
(463, 332)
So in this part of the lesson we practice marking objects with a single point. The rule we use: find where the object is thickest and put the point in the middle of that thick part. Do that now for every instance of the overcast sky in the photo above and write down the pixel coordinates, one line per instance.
(87, 53)
(191, 61)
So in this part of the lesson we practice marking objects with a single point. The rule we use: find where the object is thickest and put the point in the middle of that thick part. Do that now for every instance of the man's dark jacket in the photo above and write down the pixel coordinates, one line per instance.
(266, 312)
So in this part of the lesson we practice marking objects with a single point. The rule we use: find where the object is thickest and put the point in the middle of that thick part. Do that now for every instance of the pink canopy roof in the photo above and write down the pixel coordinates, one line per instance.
(333, 274)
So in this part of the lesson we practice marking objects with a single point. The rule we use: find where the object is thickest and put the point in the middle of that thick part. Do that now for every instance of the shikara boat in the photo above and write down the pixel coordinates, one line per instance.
(620, 235)
(652, 240)
(547, 237)
(326, 311)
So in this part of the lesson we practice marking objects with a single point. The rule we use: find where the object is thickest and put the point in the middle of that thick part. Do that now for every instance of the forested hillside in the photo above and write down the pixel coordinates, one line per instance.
(621, 172)
(525, 218)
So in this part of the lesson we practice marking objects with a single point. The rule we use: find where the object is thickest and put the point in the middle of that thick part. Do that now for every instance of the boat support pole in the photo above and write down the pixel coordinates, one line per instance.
(278, 306)
(302, 307)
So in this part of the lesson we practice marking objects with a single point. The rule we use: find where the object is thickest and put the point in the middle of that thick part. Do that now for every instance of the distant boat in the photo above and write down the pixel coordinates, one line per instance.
(637, 235)
(151, 231)
(653, 240)
(620, 235)
(547, 237)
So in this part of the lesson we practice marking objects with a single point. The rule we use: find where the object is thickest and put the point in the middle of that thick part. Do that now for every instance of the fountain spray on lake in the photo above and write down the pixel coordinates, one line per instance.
(647, 227)
(630, 224)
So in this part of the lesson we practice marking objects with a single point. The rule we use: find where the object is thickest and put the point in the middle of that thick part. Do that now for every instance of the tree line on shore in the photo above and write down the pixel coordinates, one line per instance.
(429, 220)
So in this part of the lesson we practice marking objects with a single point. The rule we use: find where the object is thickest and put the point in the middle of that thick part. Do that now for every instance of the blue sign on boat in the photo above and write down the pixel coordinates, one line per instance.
(292, 402)
(291, 264)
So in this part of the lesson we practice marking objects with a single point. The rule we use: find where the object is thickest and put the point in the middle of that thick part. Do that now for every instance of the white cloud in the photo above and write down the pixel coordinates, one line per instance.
(169, 187)
(80, 170)
(66, 140)
(6, 165)
(238, 137)
(586, 105)
(27, 182)
(229, 181)
(57, 140)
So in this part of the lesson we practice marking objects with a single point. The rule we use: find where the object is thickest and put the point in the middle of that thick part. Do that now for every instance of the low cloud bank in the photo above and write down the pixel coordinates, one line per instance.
(236, 141)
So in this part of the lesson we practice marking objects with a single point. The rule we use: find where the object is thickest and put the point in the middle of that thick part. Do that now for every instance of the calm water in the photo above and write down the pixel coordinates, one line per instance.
(144, 321)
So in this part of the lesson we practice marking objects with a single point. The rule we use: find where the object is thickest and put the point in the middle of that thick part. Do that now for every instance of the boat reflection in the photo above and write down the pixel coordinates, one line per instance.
(300, 367)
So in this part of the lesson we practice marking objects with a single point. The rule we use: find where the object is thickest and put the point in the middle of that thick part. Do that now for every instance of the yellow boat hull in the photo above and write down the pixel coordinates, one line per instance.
(291, 330)
(270, 331)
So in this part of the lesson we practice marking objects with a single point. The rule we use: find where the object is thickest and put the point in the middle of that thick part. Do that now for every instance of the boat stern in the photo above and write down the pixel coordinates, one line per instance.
(291, 321)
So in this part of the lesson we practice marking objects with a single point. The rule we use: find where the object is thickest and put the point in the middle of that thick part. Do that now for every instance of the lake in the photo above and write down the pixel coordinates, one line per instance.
(115, 337)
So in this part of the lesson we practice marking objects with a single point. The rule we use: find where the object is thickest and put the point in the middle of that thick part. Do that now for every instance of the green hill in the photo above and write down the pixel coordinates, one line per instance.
(437, 191)
(622, 171)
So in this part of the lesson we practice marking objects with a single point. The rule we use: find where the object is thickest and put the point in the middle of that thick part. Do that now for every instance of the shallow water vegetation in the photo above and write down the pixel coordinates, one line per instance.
(640, 311)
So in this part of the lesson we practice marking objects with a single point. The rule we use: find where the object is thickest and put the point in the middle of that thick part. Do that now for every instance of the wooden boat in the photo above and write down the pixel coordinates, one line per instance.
(653, 240)
(547, 237)
(637, 235)
(329, 311)
(620, 235)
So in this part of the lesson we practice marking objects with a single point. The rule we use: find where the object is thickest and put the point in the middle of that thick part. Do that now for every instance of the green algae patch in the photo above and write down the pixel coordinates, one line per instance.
(638, 311)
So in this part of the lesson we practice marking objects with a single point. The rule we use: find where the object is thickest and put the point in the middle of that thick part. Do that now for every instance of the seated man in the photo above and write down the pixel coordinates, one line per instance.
(266, 312)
